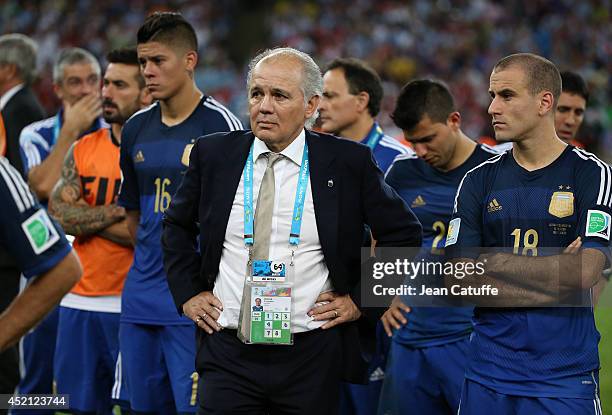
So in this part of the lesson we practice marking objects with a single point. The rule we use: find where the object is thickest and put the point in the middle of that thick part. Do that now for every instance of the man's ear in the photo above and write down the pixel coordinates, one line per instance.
(547, 101)
(58, 91)
(9, 71)
(191, 61)
(454, 120)
(363, 99)
(311, 106)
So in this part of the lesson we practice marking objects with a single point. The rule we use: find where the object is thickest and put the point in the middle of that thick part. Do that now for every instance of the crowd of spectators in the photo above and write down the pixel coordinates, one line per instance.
(455, 41)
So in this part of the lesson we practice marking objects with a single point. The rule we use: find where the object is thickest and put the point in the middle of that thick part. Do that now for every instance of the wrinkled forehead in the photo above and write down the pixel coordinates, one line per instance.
(278, 69)
(81, 70)
(513, 77)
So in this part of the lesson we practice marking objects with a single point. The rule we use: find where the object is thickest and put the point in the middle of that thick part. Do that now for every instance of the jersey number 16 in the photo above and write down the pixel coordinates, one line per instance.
(162, 197)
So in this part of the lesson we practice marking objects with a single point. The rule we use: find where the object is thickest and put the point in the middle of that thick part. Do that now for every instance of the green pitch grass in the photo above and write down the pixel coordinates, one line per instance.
(603, 319)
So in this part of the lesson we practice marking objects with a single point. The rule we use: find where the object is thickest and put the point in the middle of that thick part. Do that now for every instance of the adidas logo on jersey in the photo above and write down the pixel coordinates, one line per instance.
(418, 202)
(494, 206)
(139, 157)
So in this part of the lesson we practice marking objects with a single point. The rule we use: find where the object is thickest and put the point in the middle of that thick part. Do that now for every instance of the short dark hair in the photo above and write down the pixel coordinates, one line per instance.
(126, 56)
(360, 77)
(419, 98)
(542, 74)
(572, 83)
(169, 28)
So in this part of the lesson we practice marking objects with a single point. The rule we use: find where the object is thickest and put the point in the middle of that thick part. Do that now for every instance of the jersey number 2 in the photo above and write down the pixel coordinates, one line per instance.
(440, 229)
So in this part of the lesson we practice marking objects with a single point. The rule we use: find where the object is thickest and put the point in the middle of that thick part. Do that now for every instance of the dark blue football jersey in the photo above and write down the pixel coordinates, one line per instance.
(431, 195)
(27, 233)
(153, 159)
(540, 352)
(385, 149)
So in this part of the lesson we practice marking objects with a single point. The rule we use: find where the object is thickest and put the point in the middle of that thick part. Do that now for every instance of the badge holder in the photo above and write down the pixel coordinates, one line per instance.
(266, 308)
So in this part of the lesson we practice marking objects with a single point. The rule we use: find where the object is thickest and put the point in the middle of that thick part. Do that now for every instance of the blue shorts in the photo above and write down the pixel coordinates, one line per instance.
(119, 393)
(477, 399)
(158, 365)
(424, 380)
(36, 352)
(85, 358)
(363, 399)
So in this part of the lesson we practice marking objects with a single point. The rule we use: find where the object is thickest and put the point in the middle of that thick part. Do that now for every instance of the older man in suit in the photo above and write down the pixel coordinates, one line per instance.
(344, 190)
(18, 103)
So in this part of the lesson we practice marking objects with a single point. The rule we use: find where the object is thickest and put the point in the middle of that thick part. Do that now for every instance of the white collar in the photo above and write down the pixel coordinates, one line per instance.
(293, 151)
(9, 94)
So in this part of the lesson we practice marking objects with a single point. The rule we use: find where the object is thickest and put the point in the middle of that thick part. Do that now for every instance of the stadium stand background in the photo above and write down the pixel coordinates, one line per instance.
(456, 41)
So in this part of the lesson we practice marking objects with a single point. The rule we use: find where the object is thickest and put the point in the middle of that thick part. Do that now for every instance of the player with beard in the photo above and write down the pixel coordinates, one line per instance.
(84, 202)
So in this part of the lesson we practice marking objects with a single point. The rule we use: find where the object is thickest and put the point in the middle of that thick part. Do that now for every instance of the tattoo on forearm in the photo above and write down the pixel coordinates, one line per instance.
(78, 219)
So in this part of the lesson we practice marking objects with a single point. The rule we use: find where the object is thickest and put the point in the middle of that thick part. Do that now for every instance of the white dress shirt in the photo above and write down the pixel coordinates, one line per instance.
(6, 97)
(311, 273)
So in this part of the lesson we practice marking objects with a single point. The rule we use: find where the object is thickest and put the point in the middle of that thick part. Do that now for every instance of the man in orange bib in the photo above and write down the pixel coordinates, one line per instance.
(2, 137)
(84, 203)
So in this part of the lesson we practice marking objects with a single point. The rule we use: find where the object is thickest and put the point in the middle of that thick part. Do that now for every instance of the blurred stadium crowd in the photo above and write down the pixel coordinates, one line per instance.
(455, 41)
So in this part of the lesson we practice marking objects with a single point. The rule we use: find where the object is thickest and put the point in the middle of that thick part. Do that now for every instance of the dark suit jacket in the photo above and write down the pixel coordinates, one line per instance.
(357, 196)
(21, 110)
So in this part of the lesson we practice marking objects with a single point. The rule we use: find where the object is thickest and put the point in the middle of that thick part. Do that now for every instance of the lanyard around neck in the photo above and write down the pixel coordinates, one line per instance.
(57, 125)
(298, 206)
(374, 136)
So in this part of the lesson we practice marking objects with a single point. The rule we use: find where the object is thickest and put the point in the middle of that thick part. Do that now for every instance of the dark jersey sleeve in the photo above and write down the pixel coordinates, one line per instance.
(220, 119)
(465, 226)
(593, 205)
(27, 233)
(129, 194)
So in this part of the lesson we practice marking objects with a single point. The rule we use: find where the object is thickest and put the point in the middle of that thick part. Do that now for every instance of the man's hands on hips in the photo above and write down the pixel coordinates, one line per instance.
(203, 309)
(394, 316)
(340, 309)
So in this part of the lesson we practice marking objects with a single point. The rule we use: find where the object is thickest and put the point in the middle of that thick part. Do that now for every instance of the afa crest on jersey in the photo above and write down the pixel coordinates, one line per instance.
(186, 154)
(561, 204)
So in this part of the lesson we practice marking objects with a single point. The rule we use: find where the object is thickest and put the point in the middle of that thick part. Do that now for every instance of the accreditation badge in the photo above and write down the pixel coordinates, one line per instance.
(266, 308)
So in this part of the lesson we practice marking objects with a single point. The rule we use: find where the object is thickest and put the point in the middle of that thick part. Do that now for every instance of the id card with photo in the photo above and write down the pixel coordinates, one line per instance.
(271, 315)
(266, 306)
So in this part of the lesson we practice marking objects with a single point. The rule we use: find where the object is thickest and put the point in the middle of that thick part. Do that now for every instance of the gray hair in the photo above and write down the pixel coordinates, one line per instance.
(312, 80)
(19, 50)
(72, 56)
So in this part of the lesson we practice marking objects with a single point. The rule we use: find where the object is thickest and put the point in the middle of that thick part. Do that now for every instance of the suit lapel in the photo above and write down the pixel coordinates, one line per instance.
(325, 187)
(228, 173)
